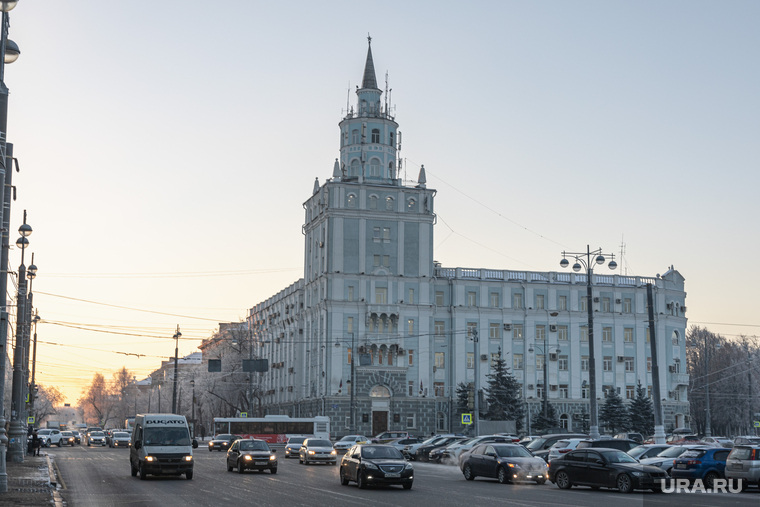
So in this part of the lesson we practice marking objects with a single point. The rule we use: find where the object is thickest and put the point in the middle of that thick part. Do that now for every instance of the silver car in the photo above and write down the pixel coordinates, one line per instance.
(293, 447)
(743, 462)
(317, 450)
(665, 459)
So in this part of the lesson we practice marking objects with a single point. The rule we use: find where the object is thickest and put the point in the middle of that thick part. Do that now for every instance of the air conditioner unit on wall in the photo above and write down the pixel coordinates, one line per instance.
(507, 327)
(553, 328)
(483, 357)
(669, 306)
(553, 356)
(621, 359)
(530, 387)
(618, 301)
(672, 368)
(596, 300)
(553, 387)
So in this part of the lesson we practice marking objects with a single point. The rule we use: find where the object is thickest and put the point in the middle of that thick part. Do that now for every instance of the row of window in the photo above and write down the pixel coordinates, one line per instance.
(356, 137)
(606, 305)
(352, 201)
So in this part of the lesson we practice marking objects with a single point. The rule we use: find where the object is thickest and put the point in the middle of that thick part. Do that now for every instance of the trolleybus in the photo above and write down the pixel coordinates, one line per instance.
(275, 429)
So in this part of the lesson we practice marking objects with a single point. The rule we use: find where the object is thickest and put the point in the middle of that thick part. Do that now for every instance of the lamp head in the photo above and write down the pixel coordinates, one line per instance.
(577, 267)
(599, 259)
(25, 229)
(22, 242)
(12, 51)
(564, 263)
(31, 272)
(612, 265)
(7, 5)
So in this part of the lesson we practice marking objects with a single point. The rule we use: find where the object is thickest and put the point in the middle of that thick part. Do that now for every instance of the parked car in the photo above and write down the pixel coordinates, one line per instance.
(528, 439)
(665, 459)
(540, 446)
(606, 468)
(743, 463)
(645, 451)
(49, 437)
(457, 455)
(677, 439)
(119, 439)
(562, 446)
(317, 450)
(368, 464)
(96, 438)
(401, 443)
(222, 442)
(706, 464)
(293, 446)
(609, 443)
(423, 451)
(386, 436)
(68, 438)
(349, 441)
(747, 440)
(251, 454)
(636, 437)
(724, 442)
(410, 451)
(505, 462)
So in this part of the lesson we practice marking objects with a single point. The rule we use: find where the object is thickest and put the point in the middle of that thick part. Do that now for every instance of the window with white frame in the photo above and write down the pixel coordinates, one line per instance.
(539, 301)
(386, 234)
(438, 328)
(562, 363)
(584, 363)
(440, 359)
(606, 334)
(471, 328)
(349, 324)
(517, 331)
(439, 298)
(494, 330)
(410, 327)
(583, 304)
(627, 305)
(350, 295)
(373, 202)
(470, 360)
(438, 389)
(607, 363)
(517, 300)
(472, 299)
(517, 362)
(606, 306)
(376, 260)
(411, 418)
(628, 361)
(389, 203)
(630, 392)
(584, 392)
(584, 333)
(562, 303)
(410, 299)
(495, 356)
(539, 362)
(381, 295)
(540, 333)
(411, 388)
(493, 298)
(562, 333)
(564, 391)
(628, 334)
(387, 261)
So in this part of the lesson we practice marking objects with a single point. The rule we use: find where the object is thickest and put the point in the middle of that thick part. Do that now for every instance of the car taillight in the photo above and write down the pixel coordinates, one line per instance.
(693, 462)
(563, 451)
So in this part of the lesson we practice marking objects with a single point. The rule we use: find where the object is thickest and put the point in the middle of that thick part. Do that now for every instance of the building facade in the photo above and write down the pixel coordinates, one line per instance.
(377, 335)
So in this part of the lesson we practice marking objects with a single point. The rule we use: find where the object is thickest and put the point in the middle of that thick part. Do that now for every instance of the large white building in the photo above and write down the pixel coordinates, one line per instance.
(372, 292)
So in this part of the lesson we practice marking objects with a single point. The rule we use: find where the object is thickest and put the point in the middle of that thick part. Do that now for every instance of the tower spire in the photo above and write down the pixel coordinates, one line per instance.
(369, 80)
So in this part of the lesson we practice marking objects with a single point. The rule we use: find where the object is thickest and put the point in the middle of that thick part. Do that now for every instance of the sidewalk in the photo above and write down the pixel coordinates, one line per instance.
(32, 482)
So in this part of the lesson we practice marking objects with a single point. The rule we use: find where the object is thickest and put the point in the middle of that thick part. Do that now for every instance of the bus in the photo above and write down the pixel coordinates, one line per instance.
(275, 429)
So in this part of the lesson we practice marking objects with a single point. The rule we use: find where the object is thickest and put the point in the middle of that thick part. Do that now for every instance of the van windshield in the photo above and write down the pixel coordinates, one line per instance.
(166, 436)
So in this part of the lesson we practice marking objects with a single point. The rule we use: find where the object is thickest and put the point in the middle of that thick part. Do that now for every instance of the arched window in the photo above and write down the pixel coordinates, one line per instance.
(390, 141)
(373, 202)
(563, 419)
(351, 201)
(411, 205)
(354, 167)
(355, 136)
(376, 136)
(389, 203)
(379, 392)
(675, 337)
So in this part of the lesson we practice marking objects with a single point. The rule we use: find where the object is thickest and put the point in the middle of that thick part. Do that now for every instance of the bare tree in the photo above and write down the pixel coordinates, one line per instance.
(97, 402)
(45, 402)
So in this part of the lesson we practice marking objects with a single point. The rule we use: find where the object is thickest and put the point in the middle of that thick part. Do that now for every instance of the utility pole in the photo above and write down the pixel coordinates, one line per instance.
(176, 354)
(476, 414)
(659, 429)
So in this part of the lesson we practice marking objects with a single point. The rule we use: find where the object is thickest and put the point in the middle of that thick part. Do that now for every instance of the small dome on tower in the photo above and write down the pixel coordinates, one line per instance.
(337, 173)
(316, 186)
(421, 179)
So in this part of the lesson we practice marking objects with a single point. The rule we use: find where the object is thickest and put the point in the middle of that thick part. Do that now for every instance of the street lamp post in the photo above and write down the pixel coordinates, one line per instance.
(476, 372)
(350, 383)
(32, 384)
(192, 417)
(9, 52)
(598, 258)
(17, 444)
(176, 353)
(546, 379)
(31, 274)
(708, 415)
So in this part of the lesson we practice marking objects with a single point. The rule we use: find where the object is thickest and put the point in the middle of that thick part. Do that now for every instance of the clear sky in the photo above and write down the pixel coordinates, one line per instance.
(166, 149)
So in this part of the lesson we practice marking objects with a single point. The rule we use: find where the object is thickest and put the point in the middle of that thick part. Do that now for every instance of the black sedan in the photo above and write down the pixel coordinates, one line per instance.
(423, 451)
(368, 464)
(251, 454)
(222, 442)
(605, 468)
(505, 462)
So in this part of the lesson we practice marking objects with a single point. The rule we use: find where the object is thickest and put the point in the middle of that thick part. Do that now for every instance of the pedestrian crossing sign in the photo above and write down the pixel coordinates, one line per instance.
(757, 424)
(466, 418)
(30, 419)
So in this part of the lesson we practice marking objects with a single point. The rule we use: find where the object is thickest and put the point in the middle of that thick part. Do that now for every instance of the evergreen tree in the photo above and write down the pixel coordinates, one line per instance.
(464, 397)
(543, 423)
(641, 413)
(503, 394)
(614, 414)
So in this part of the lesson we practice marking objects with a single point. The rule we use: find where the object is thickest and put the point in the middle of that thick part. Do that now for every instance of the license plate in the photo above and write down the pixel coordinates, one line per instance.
(680, 465)
(392, 475)
(736, 466)
(261, 462)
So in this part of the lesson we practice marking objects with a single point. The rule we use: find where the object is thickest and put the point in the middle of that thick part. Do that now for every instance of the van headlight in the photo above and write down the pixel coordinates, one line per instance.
(248, 457)
(188, 458)
(272, 457)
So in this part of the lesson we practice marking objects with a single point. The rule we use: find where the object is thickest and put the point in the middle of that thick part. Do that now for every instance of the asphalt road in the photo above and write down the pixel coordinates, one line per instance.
(100, 477)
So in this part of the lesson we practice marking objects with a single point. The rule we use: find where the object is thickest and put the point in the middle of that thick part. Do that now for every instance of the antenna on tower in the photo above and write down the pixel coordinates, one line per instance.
(386, 93)
(348, 97)
(622, 255)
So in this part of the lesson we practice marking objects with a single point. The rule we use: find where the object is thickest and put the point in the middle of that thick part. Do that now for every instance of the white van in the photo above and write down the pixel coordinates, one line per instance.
(161, 445)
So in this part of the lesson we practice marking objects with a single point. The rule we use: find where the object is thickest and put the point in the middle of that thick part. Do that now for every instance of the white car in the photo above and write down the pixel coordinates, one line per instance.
(119, 439)
(49, 437)
(349, 441)
(96, 438)
(563, 446)
(665, 459)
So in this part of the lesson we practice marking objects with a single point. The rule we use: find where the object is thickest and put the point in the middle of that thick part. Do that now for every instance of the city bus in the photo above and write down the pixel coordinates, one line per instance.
(275, 429)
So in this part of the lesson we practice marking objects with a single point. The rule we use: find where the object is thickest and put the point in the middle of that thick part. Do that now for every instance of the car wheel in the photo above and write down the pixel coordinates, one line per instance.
(273, 470)
(133, 470)
(143, 475)
(710, 479)
(229, 468)
(624, 483)
(503, 476)
(240, 467)
(408, 485)
(189, 475)
(361, 482)
(300, 460)
(343, 478)
(562, 480)
(468, 473)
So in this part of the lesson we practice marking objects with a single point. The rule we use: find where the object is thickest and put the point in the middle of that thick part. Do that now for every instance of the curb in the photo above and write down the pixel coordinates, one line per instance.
(51, 472)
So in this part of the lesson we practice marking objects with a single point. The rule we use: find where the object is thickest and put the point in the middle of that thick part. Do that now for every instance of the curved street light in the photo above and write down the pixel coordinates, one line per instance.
(587, 260)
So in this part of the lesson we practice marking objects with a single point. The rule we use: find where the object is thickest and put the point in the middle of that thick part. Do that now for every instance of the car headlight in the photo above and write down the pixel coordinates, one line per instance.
(639, 474)
(513, 465)
(333, 452)
(272, 457)
(408, 466)
(188, 458)
(371, 466)
(247, 457)
(312, 452)
(149, 458)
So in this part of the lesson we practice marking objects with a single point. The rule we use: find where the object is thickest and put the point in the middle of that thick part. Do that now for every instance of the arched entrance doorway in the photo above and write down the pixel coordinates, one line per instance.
(381, 404)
